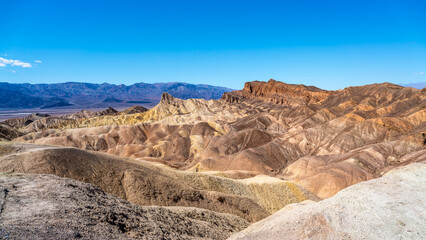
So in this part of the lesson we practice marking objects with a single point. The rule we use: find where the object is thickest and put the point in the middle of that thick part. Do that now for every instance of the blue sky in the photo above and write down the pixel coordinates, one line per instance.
(329, 44)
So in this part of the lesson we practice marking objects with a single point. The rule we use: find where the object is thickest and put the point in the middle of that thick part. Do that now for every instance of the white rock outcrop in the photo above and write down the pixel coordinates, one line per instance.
(390, 207)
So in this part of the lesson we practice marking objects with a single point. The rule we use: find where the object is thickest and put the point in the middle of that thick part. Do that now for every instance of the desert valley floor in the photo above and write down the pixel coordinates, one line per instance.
(270, 161)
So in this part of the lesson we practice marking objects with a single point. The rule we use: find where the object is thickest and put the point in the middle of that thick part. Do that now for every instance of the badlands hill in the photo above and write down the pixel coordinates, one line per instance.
(8, 133)
(249, 154)
(38, 122)
(88, 95)
(322, 140)
(49, 207)
(390, 207)
(144, 183)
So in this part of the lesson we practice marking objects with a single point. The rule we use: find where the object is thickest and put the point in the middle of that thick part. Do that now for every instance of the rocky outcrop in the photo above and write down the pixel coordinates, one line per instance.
(278, 93)
(49, 207)
(167, 98)
(390, 207)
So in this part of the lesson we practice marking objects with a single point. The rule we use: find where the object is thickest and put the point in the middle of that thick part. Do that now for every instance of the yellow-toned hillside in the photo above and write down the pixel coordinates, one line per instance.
(146, 183)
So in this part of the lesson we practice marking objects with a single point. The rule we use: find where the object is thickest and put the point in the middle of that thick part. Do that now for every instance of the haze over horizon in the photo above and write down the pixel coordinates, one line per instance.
(331, 46)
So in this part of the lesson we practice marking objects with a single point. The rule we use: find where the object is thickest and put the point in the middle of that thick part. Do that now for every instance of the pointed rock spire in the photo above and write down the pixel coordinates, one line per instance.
(165, 97)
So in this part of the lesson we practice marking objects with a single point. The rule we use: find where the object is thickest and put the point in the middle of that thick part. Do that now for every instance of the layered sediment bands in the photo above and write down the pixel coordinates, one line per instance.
(148, 184)
(278, 93)
(390, 207)
(49, 207)
(324, 140)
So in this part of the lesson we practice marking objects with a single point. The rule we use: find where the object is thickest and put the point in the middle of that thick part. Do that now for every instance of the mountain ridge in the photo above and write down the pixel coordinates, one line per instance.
(86, 95)
(418, 85)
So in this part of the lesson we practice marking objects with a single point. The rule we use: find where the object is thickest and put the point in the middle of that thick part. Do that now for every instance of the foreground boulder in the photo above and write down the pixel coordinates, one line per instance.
(390, 207)
(49, 207)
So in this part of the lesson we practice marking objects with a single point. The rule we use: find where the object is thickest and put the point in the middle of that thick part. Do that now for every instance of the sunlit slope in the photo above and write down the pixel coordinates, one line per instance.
(389, 207)
(144, 183)
(323, 140)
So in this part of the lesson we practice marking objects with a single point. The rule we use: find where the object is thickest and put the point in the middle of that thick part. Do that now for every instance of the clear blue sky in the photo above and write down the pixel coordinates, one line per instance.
(330, 44)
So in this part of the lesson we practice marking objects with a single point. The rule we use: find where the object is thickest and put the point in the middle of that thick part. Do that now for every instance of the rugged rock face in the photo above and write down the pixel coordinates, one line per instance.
(49, 207)
(278, 93)
(147, 184)
(323, 140)
(390, 207)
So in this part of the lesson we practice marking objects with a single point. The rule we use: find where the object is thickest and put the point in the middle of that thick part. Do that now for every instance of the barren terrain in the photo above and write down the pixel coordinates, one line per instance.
(49, 207)
(390, 207)
(323, 140)
(253, 154)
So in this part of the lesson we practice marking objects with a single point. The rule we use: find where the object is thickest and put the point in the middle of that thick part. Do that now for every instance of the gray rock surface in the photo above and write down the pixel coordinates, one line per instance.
(49, 207)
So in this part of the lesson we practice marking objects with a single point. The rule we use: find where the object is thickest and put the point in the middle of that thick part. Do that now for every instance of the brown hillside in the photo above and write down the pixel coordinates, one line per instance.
(49, 207)
(295, 132)
(147, 184)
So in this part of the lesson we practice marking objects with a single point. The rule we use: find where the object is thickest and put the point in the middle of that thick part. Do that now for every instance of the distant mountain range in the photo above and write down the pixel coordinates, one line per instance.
(89, 95)
(419, 85)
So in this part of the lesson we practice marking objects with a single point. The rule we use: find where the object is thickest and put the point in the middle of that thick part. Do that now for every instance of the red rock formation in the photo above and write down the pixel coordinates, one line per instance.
(278, 93)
